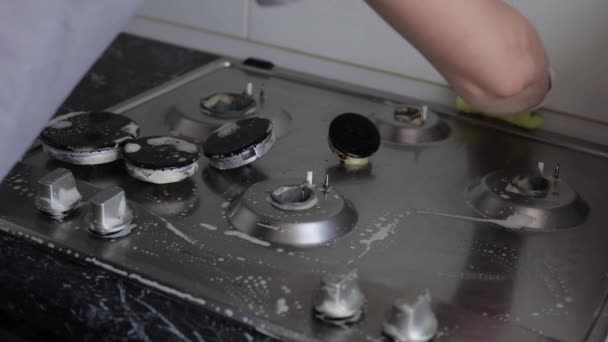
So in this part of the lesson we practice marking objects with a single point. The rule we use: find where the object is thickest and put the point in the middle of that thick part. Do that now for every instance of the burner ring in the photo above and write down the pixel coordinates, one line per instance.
(411, 125)
(256, 215)
(161, 159)
(162, 176)
(495, 196)
(95, 157)
(87, 138)
(293, 197)
(228, 105)
(239, 143)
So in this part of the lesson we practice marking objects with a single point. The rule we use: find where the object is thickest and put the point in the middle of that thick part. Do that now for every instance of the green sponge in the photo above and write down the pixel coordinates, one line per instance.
(527, 120)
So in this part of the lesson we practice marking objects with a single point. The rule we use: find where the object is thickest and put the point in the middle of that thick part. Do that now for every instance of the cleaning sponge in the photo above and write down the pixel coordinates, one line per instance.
(527, 120)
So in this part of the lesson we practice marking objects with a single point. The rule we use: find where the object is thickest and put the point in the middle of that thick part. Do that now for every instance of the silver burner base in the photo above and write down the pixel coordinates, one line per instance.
(561, 208)
(162, 176)
(254, 214)
(95, 157)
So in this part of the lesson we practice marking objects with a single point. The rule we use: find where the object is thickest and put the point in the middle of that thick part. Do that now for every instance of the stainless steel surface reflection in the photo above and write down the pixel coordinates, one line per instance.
(488, 283)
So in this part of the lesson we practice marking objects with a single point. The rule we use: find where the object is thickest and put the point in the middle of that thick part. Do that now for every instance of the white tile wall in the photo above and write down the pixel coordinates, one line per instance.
(224, 16)
(345, 30)
(574, 33)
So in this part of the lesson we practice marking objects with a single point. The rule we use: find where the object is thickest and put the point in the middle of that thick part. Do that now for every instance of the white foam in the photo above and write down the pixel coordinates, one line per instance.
(132, 147)
(227, 129)
(515, 221)
(151, 283)
(64, 117)
(177, 231)
(107, 266)
(123, 139)
(131, 129)
(208, 226)
(61, 124)
(247, 237)
(162, 176)
(179, 144)
(380, 234)
(282, 307)
(39, 240)
(268, 226)
(83, 157)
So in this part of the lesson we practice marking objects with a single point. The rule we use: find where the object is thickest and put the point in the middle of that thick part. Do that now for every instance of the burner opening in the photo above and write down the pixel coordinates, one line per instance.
(228, 105)
(506, 194)
(412, 115)
(293, 197)
(532, 186)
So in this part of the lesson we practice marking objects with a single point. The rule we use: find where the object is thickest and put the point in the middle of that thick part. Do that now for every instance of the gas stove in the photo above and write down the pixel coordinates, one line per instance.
(315, 210)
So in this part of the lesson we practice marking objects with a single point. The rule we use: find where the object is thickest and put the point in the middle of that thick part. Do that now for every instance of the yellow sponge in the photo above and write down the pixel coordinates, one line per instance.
(527, 120)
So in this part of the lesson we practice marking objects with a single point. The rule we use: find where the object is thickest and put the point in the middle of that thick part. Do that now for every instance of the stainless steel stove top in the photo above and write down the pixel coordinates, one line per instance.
(420, 216)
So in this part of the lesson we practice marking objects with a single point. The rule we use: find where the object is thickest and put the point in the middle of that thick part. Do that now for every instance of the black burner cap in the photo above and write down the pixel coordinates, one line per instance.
(236, 137)
(160, 152)
(354, 135)
(89, 131)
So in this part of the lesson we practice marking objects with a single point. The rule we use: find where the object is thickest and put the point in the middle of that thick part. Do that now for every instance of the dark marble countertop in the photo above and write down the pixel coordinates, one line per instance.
(49, 296)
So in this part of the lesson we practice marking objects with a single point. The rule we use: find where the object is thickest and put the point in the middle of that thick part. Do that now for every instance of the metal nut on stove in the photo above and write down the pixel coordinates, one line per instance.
(57, 194)
(411, 319)
(109, 213)
(339, 298)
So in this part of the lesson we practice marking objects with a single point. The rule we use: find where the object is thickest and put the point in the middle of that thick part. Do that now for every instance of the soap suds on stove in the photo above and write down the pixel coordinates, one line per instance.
(208, 226)
(227, 129)
(249, 238)
(123, 139)
(61, 118)
(178, 144)
(131, 129)
(515, 221)
(382, 232)
(132, 147)
(61, 124)
(282, 307)
(177, 231)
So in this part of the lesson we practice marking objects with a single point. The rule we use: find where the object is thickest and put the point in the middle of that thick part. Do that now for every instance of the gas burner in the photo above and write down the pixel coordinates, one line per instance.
(87, 138)
(239, 143)
(549, 202)
(293, 212)
(411, 125)
(353, 138)
(161, 159)
(230, 105)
